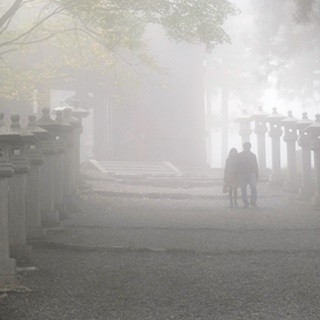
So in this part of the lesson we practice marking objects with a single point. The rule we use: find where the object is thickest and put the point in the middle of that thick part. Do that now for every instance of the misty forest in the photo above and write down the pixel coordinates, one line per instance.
(159, 159)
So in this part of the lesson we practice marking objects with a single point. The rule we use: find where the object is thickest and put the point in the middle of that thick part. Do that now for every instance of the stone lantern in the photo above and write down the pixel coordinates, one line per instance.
(245, 126)
(72, 155)
(35, 229)
(17, 193)
(291, 137)
(80, 114)
(275, 133)
(50, 216)
(260, 129)
(62, 143)
(314, 131)
(61, 107)
(75, 114)
(7, 265)
(304, 141)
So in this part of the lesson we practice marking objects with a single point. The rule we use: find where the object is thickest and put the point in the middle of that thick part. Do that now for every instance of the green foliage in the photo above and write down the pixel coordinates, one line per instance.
(193, 21)
(42, 38)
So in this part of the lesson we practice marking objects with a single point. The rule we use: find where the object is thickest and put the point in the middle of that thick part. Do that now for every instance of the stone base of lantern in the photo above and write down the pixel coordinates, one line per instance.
(34, 233)
(21, 253)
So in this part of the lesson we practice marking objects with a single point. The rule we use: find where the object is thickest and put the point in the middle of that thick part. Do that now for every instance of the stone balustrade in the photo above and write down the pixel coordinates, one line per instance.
(291, 137)
(260, 129)
(299, 135)
(40, 171)
(50, 216)
(39, 174)
(17, 192)
(8, 139)
(314, 131)
(304, 141)
(61, 168)
(275, 133)
(35, 229)
(78, 113)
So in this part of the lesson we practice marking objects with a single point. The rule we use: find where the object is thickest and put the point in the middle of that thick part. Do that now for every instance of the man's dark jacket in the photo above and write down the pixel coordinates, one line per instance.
(247, 163)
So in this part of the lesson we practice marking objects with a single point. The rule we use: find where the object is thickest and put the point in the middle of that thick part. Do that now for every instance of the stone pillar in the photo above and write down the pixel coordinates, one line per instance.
(35, 229)
(306, 188)
(314, 131)
(260, 129)
(17, 194)
(275, 134)
(50, 216)
(290, 137)
(7, 265)
(245, 126)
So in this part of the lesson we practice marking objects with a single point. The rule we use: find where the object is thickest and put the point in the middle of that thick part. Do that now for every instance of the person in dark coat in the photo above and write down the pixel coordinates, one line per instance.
(231, 177)
(248, 174)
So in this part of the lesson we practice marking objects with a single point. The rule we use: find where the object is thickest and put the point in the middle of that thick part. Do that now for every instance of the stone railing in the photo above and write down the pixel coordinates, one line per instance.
(303, 134)
(39, 176)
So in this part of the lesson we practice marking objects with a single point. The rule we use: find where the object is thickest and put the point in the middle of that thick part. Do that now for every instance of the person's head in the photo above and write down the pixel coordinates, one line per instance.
(233, 152)
(247, 146)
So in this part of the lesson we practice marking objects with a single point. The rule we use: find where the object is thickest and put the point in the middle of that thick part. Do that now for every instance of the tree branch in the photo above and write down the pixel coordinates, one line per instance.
(87, 32)
(24, 43)
(39, 23)
(6, 25)
(10, 12)
(6, 51)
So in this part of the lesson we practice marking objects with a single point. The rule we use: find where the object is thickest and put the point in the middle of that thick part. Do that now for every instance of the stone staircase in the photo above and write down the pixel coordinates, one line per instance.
(134, 169)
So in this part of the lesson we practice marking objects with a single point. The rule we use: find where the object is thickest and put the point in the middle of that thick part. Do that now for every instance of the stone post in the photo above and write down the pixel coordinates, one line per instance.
(290, 137)
(260, 129)
(50, 216)
(275, 134)
(35, 229)
(314, 131)
(7, 265)
(17, 194)
(245, 126)
(306, 188)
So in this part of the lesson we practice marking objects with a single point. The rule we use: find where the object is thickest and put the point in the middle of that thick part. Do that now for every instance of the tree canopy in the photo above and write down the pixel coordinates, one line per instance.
(82, 33)
(274, 53)
(287, 37)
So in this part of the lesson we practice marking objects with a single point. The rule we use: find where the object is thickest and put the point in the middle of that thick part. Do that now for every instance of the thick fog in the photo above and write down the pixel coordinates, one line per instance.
(159, 159)
(167, 100)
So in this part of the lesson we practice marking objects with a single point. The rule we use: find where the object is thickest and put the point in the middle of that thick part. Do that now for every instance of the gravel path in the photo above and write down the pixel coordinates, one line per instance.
(106, 285)
(144, 258)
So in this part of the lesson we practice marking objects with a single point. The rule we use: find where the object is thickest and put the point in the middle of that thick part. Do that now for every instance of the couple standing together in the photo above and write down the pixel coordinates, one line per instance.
(241, 169)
